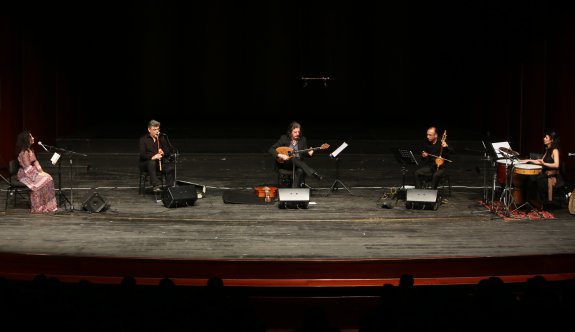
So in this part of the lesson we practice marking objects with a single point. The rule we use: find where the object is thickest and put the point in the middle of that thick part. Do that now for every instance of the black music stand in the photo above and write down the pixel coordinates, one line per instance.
(62, 199)
(338, 183)
(70, 155)
(405, 158)
(489, 155)
(174, 152)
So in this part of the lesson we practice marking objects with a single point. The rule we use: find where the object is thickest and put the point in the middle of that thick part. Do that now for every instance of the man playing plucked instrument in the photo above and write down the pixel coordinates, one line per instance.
(435, 154)
(294, 141)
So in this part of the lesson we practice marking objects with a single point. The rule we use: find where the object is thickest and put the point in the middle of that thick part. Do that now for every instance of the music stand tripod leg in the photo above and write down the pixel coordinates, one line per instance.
(337, 183)
(62, 199)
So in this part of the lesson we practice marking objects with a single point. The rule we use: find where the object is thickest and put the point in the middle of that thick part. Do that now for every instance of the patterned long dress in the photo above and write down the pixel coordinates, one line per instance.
(41, 184)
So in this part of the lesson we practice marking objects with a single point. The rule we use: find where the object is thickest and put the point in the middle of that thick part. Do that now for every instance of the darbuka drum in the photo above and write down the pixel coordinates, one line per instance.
(502, 167)
(528, 169)
(520, 174)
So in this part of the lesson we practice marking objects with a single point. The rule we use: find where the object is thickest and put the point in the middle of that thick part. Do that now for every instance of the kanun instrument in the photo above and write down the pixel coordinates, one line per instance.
(290, 152)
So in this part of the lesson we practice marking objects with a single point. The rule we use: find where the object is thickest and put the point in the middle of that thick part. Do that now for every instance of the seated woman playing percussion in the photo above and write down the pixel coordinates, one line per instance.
(550, 177)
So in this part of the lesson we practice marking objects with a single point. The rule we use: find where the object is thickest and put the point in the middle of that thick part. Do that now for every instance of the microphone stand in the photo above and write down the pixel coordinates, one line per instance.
(60, 194)
(71, 155)
(486, 158)
(172, 148)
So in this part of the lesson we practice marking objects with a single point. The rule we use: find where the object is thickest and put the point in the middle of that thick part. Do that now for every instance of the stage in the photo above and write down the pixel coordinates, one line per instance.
(363, 236)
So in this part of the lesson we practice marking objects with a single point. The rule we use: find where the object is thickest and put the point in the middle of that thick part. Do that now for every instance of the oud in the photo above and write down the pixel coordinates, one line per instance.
(290, 152)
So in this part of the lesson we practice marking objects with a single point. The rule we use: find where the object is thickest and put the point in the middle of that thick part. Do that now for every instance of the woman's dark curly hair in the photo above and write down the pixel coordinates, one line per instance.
(555, 138)
(23, 141)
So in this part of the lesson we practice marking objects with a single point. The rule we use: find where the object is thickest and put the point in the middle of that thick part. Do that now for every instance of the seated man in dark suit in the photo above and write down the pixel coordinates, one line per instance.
(294, 140)
(155, 152)
(433, 152)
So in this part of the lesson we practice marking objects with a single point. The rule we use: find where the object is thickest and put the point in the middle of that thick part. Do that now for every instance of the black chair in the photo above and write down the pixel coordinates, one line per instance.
(560, 191)
(285, 178)
(16, 188)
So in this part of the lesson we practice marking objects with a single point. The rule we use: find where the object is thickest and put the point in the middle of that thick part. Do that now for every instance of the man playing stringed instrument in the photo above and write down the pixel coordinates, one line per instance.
(434, 154)
(286, 152)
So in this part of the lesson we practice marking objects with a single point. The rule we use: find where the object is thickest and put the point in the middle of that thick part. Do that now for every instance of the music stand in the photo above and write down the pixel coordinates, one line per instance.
(489, 154)
(70, 155)
(405, 157)
(338, 183)
(175, 155)
(62, 199)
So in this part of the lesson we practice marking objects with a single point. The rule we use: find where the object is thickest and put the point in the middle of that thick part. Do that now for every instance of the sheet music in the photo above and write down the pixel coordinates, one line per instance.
(498, 153)
(338, 150)
(55, 158)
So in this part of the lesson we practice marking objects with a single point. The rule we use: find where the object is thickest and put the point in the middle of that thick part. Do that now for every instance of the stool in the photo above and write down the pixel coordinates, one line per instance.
(145, 178)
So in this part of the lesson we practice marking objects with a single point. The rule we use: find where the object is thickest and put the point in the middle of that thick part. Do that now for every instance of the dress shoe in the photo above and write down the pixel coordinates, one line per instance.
(317, 176)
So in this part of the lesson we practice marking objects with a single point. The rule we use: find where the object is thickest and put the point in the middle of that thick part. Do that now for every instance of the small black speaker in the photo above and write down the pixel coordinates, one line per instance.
(94, 203)
(422, 199)
(174, 197)
(296, 198)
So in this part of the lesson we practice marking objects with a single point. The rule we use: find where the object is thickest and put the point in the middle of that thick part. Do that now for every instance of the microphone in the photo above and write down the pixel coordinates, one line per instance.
(162, 134)
(42, 145)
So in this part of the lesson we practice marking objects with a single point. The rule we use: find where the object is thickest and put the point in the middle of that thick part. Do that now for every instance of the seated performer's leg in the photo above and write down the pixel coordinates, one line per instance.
(150, 167)
(170, 171)
(299, 177)
(307, 169)
(436, 177)
(542, 186)
(421, 172)
(530, 190)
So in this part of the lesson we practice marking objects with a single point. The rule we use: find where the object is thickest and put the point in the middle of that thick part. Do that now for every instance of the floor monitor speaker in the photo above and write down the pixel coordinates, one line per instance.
(94, 203)
(422, 199)
(293, 198)
(174, 197)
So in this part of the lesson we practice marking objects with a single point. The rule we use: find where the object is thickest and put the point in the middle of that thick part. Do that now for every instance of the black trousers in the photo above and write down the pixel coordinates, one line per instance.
(428, 171)
(152, 167)
(301, 170)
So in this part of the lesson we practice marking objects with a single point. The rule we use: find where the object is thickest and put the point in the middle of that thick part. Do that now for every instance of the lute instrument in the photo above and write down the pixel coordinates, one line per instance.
(290, 152)
(439, 160)
(267, 192)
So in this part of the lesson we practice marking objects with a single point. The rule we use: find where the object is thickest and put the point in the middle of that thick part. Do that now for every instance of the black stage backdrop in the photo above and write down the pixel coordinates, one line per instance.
(484, 69)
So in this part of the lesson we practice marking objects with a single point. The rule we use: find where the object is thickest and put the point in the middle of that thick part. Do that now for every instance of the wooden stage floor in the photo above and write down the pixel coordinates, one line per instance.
(342, 239)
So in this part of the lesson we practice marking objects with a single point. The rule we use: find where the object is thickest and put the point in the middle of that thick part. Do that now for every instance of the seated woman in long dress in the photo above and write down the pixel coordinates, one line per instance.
(41, 184)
